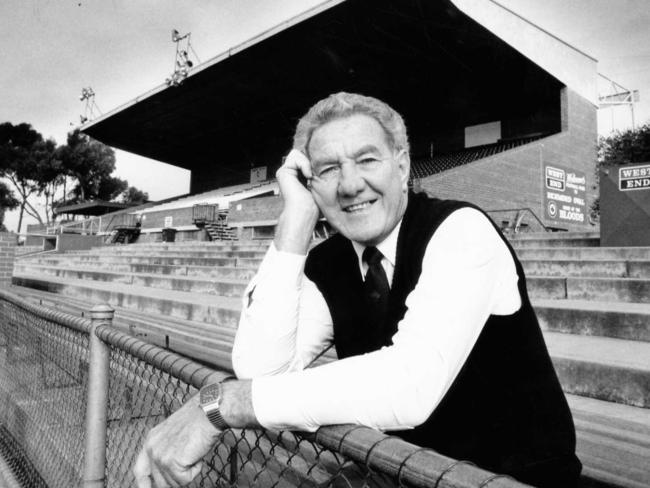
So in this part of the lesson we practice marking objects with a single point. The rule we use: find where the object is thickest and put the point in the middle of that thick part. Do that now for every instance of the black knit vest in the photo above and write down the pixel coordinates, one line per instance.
(505, 411)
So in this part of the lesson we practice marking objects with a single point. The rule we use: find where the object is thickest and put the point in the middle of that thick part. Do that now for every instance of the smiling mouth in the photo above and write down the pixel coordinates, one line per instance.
(358, 207)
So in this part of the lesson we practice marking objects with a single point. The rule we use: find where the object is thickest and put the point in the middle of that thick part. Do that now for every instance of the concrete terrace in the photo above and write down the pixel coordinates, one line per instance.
(592, 302)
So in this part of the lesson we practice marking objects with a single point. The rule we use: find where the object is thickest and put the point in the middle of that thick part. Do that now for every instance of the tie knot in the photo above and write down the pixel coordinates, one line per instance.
(372, 255)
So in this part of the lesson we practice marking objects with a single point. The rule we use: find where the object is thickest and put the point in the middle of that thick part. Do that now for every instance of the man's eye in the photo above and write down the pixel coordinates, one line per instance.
(328, 171)
(367, 160)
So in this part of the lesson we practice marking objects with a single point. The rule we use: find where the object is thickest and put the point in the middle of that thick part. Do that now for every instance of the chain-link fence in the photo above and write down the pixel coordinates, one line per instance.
(53, 435)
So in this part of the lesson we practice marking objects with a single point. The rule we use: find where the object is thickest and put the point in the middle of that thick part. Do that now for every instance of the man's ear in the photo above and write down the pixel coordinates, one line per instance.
(404, 166)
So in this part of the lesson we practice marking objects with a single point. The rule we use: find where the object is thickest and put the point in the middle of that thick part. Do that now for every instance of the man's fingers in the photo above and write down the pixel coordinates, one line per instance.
(194, 470)
(142, 471)
(297, 161)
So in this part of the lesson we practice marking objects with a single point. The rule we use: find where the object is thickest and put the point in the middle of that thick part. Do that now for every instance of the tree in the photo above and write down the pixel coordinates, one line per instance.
(628, 147)
(7, 202)
(133, 195)
(29, 163)
(91, 163)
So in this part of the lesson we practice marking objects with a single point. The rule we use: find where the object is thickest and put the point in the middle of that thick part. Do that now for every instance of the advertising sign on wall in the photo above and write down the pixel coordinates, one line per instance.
(634, 178)
(564, 195)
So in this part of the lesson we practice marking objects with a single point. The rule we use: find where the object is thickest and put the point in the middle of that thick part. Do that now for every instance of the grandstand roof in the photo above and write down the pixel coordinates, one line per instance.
(91, 207)
(434, 63)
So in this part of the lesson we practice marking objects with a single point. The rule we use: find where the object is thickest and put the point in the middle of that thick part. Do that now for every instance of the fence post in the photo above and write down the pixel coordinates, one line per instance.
(97, 404)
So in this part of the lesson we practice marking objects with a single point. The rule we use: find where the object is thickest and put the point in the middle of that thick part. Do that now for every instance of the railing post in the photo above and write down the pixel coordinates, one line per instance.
(97, 404)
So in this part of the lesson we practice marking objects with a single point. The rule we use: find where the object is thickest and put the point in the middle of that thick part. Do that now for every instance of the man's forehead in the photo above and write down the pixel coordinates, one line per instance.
(355, 134)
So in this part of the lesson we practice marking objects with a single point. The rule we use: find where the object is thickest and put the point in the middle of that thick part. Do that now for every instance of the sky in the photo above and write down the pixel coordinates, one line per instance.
(51, 49)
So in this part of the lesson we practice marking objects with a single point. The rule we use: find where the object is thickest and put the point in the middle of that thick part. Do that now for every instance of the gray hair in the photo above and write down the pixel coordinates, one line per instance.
(341, 105)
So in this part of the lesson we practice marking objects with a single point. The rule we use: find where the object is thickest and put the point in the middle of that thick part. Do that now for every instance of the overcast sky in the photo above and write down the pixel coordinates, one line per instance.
(51, 49)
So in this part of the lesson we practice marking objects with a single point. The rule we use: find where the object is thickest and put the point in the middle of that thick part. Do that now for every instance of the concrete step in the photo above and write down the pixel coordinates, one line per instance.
(629, 321)
(524, 236)
(214, 309)
(614, 370)
(205, 342)
(151, 259)
(215, 286)
(233, 272)
(585, 253)
(633, 290)
(552, 241)
(199, 253)
(613, 441)
(619, 268)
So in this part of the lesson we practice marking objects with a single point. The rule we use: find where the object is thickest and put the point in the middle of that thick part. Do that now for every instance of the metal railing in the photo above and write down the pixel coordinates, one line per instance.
(90, 226)
(77, 398)
(95, 225)
(516, 220)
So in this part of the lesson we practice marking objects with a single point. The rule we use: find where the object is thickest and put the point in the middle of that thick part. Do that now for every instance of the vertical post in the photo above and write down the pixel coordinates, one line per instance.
(97, 404)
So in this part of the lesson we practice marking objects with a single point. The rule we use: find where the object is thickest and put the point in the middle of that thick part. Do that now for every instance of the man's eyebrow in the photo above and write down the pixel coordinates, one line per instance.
(368, 148)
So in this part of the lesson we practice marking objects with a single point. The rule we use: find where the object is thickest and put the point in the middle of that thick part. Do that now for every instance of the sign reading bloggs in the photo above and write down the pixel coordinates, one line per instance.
(564, 194)
(634, 178)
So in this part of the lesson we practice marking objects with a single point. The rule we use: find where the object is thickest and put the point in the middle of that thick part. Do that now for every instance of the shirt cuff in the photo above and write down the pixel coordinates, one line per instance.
(273, 414)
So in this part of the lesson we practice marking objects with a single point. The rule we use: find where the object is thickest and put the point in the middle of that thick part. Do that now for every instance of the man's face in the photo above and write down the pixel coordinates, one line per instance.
(362, 191)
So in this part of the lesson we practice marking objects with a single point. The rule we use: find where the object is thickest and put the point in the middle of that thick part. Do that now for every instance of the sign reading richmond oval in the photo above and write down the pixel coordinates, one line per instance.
(564, 194)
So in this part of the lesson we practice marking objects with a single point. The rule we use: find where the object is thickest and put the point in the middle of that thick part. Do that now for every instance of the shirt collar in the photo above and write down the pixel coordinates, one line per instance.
(388, 247)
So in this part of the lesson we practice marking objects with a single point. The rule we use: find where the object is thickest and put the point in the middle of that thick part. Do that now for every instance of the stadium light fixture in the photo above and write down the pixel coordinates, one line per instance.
(91, 109)
(182, 61)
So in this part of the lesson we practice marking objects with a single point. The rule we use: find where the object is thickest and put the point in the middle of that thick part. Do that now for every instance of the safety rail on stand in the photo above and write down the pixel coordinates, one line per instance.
(516, 220)
(77, 398)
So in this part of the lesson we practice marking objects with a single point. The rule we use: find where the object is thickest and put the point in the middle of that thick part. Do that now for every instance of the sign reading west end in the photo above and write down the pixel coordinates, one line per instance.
(564, 194)
(634, 178)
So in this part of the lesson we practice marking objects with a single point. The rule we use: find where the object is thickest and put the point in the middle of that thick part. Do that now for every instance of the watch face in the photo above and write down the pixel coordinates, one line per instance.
(210, 393)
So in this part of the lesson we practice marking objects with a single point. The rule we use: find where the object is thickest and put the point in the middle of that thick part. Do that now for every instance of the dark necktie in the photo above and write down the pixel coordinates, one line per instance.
(376, 287)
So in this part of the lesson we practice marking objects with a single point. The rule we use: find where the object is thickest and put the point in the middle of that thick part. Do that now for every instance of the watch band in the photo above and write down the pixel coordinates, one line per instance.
(209, 401)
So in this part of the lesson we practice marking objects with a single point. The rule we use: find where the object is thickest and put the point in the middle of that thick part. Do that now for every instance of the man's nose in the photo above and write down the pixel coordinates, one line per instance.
(351, 180)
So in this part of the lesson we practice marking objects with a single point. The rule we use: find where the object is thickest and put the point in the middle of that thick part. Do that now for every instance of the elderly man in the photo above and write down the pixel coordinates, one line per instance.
(424, 300)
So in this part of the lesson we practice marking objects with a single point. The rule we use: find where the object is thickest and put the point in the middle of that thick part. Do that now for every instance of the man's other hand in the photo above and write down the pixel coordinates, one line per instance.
(172, 452)
(300, 213)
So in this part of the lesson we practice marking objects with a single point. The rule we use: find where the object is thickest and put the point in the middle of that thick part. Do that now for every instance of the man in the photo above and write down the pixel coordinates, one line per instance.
(423, 299)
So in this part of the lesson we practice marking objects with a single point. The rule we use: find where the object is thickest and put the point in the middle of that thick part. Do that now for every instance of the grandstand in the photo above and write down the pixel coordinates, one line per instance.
(489, 99)
(423, 168)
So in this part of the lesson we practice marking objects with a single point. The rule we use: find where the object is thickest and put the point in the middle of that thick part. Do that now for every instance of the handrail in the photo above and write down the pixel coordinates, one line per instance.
(520, 216)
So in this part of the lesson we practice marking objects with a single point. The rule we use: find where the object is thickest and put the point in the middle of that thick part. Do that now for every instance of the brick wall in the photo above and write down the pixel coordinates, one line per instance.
(255, 210)
(513, 179)
(8, 242)
(181, 217)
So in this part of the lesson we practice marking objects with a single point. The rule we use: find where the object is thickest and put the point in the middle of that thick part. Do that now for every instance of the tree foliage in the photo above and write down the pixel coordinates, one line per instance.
(7, 202)
(37, 167)
(628, 147)
(91, 163)
(29, 163)
(134, 196)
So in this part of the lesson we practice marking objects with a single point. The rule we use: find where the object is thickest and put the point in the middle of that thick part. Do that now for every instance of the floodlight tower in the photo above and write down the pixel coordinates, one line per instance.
(617, 95)
(182, 61)
(91, 106)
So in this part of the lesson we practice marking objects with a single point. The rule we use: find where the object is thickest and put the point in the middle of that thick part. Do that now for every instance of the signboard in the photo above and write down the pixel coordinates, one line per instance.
(258, 174)
(624, 206)
(169, 220)
(634, 178)
(564, 195)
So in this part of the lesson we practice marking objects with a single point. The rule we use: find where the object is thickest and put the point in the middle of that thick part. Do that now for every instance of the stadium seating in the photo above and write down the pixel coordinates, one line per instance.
(593, 304)
(421, 168)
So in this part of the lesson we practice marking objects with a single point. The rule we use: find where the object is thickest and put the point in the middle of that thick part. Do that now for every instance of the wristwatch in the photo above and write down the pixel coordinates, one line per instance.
(209, 401)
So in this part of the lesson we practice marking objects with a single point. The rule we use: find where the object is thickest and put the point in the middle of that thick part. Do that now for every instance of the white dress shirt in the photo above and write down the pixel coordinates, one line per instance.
(467, 275)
